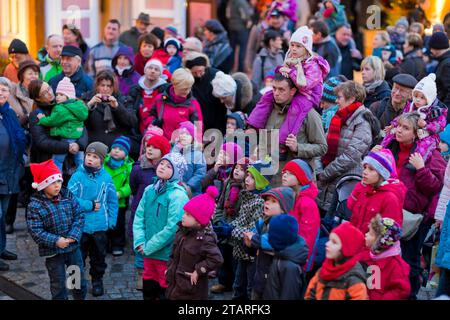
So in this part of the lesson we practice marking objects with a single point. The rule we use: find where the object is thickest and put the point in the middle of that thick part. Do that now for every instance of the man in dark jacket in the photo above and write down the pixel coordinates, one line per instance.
(351, 57)
(71, 65)
(391, 107)
(413, 62)
(130, 37)
(217, 46)
(325, 46)
(439, 47)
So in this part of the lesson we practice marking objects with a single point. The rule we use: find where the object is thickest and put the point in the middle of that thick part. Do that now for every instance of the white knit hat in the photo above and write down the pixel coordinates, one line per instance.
(66, 87)
(154, 62)
(427, 86)
(303, 35)
(223, 85)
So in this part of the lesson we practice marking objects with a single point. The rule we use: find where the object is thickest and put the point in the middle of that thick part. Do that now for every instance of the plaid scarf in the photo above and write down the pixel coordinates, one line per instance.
(334, 132)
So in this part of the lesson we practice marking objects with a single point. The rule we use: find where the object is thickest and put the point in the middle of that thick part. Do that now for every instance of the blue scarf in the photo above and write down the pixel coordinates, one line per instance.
(115, 164)
(15, 131)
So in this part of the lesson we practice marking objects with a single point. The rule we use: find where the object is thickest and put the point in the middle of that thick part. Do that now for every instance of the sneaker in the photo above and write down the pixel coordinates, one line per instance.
(219, 288)
(97, 288)
(3, 267)
(6, 255)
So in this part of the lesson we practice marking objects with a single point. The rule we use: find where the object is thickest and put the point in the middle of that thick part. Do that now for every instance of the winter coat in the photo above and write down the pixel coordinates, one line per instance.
(196, 167)
(250, 212)
(385, 112)
(382, 91)
(442, 214)
(161, 55)
(443, 78)
(129, 77)
(366, 202)
(245, 99)
(167, 114)
(193, 250)
(10, 73)
(174, 63)
(225, 208)
(354, 144)
(139, 180)
(286, 280)
(336, 19)
(131, 38)
(43, 146)
(155, 222)
(121, 179)
(308, 217)
(220, 53)
(239, 13)
(329, 50)
(82, 82)
(49, 68)
(350, 286)
(348, 63)
(21, 103)
(265, 62)
(67, 119)
(98, 187)
(414, 65)
(48, 220)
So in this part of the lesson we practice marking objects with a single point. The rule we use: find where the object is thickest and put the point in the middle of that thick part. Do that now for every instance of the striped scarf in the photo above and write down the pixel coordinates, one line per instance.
(334, 132)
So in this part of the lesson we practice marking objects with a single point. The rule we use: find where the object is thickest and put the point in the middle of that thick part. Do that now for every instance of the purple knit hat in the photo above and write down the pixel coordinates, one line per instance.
(233, 151)
(383, 162)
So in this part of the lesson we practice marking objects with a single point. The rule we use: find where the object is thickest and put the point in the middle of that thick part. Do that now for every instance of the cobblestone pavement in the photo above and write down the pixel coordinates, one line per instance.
(119, 281)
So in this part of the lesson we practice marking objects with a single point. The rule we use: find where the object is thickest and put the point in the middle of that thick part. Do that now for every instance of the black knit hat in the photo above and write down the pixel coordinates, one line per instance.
(329, 86)
(438, 41)
(214, 26)
(18, 46)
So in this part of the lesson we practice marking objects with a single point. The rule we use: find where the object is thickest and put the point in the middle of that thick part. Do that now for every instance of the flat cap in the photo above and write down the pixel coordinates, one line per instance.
(71, 51)
(405, 80)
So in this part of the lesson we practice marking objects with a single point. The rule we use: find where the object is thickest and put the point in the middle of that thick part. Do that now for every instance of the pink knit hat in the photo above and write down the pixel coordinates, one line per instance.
(383, 162)
(233, 150)
(202, 206)
(66, 87)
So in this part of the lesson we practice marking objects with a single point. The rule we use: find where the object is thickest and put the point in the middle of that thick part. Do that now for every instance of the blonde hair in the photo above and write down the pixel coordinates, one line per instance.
(384, 36)
(377, 65)
(182, 77)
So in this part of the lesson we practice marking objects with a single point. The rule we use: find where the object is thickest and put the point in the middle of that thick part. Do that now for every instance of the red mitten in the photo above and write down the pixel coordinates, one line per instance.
(328, 12)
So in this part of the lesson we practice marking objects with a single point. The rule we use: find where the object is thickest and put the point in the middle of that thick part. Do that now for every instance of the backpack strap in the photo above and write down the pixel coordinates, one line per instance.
(313, 253)
(263, 60)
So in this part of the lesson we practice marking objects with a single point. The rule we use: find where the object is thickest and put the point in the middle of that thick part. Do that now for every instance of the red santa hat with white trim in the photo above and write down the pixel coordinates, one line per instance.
(45, 174)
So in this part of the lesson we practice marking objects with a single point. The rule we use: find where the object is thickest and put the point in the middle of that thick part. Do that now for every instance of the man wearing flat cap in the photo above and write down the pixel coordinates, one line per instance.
(71, 65)
(390, 107)
(130, 37)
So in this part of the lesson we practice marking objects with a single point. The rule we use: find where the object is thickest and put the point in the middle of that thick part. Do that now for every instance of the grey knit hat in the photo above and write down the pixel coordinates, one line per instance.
(98, 148)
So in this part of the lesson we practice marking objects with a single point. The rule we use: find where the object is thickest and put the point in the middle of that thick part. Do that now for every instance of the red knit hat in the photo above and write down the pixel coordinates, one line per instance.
(301, 170)
(351, 238)
(161, 143)
(202, 206)
(45, 174)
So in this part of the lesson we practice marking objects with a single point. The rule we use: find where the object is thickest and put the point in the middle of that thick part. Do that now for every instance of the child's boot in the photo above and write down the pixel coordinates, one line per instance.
(97, 288)
(139, 284)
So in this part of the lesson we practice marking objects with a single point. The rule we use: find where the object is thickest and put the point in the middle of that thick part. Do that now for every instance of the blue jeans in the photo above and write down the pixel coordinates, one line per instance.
(240, 38)
(60, 158)
(138, 260)
(56, 267)
(243, 281)
(4, 201)
(444, 283)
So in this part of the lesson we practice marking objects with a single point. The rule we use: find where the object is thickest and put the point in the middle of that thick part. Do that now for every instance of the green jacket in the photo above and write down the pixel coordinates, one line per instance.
(49, 67)
(67, 119)
(155, 222)
(121, 178)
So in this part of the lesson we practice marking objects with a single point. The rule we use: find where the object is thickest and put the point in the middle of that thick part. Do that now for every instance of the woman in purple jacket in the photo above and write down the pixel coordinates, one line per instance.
(424, 180)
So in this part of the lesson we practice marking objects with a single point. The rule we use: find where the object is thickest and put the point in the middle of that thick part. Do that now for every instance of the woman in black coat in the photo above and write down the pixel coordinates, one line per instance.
(373, 74)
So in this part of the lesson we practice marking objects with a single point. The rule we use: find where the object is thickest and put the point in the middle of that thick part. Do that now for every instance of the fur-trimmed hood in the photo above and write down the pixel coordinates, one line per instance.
(244, 90)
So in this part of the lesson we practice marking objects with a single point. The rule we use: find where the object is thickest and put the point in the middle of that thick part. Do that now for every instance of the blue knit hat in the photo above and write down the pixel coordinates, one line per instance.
(284, 195)
(445, 135)
(123, 143)
(329, 86)
(240, 117)
(283, 231)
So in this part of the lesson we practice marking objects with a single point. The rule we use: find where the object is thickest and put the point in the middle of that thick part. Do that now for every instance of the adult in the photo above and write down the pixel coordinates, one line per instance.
(349, 139)
(326, 47)
(72, 68)
(18, 52)
(192, 44)
(413, 63)
(50, 57)
(351, 57)
(424, 181)
(101, 55)
(391, 107)
(131, 37)
(439, 47)
(214, 111)
(270, 57)
(73, 37)
(143, 95)
(373, 74)
(217, 46)
(177, 104)
(109, 116)
(12, 144)
(239, 14)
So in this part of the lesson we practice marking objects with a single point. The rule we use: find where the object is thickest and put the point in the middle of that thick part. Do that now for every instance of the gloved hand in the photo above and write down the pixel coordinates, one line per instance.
(223, 229)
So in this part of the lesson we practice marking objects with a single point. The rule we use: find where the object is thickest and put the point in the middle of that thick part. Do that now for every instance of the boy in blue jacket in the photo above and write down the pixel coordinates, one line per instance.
(55, 222)
(95, 191)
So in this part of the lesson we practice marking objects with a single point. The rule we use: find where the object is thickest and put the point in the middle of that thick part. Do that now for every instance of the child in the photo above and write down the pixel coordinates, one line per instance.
(186, 143)
(298, 175)
(289, 9)
(236, 124)
(118, 164)
(173, 48)
(123, 65)
(383, 241)
(380, 191)
(55, 222)
(250, 212)
(95, 191)
(341, 276)
(307, 71)
(444, 144)
(195, 252)
(67, 120)
(328, 103)
(433, 117)
(277, 201)
(155, 223)
(268, 82)
(142, 175)
(382, 43)
(398, 33)
(286, 280)
(333, 13)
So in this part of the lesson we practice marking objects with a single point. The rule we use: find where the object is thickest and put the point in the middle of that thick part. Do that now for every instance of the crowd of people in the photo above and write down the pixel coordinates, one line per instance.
(345, 177)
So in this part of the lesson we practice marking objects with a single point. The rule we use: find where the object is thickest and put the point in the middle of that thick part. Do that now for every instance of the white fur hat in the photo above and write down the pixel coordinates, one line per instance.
(427, 86)
(223, 85)
(303, 35)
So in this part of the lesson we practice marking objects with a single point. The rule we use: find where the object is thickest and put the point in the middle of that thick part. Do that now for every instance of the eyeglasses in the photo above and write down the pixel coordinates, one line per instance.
(46, 92)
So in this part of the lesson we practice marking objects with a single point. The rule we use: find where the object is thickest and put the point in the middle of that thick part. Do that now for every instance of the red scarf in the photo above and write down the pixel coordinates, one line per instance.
(334, 131)
(330, 271)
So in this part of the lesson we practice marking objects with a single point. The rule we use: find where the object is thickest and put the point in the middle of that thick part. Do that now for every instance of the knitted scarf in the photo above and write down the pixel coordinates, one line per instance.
(372, 86)
(334, 132)
(12, 126)
(331, 271)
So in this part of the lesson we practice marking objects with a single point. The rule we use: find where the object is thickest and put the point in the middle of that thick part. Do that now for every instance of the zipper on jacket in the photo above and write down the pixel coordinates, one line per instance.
(157, 210)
